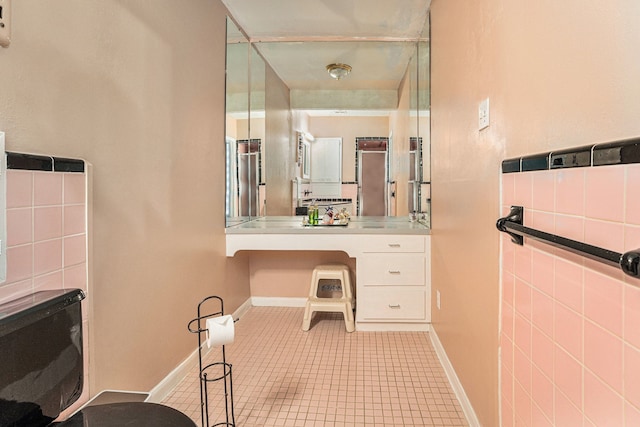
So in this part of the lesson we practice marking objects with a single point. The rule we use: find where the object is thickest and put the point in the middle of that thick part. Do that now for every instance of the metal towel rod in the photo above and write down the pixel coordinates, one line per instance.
(629, 262)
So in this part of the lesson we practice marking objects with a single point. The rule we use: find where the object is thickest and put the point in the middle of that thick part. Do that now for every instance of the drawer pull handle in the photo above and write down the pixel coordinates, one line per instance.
(394, 245)
(394, 271)
(394, 306)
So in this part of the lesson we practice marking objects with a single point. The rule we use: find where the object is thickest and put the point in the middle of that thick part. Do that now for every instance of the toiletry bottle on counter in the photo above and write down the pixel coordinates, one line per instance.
(328, 216)
(315, 215)
(310, 213)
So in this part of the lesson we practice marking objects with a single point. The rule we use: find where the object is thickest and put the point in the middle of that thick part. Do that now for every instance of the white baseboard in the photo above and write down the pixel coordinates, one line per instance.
(469, 413)
(242, 310)
(164, 387)
(278, 301)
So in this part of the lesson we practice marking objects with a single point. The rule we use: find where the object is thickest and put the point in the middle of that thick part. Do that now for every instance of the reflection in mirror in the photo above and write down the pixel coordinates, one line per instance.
(419, 140)
(305, 159)
(257, 125)
(373, 114)
(415, 142)
(424, 121)
(313, 114)
(372, 165)
(239, 172)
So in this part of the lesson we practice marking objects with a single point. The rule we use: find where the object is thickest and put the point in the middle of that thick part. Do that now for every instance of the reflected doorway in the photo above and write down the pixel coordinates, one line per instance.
(415, 173)
(248, 159)
(372, 163)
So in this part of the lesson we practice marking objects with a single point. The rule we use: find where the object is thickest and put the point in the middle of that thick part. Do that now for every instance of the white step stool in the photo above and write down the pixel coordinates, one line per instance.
(344, 304)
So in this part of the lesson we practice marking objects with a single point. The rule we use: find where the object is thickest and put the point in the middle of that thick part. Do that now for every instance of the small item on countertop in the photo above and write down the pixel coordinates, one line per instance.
(328, 216)
(343, 216)
(312, 214)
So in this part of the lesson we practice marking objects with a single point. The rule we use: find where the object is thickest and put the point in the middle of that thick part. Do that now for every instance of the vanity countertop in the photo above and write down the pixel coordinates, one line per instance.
(357, 225)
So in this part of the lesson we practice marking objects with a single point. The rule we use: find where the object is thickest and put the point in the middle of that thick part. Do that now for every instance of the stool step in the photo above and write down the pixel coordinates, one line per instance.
(328, 302)
(340, 283)
(330, 288)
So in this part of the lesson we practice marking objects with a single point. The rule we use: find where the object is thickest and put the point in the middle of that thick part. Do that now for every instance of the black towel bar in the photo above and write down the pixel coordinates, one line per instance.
(629, 262)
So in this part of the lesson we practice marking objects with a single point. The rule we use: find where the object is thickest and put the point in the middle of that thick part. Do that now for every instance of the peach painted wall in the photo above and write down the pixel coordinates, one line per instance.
(137, 89)
(47, 240)
(570, 342)
(558, 74)
(288, 273)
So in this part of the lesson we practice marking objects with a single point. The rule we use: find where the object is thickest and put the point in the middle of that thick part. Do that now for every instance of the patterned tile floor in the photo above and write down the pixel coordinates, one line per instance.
(283, 376)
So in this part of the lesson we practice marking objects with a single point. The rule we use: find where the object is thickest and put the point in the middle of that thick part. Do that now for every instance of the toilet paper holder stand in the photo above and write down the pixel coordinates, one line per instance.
(216, 371)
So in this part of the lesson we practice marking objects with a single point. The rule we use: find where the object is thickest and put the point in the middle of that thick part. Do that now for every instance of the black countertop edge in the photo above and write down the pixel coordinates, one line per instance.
(34, 162)
(625, 151)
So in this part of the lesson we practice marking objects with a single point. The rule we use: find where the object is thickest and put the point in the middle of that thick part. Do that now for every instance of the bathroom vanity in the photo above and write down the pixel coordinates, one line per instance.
(393, 262)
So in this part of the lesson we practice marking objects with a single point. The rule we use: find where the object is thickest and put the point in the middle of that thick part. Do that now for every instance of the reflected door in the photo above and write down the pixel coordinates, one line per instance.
(248, 178)
(372, 174)
(248, 184)
(231, 178)
(414, 174)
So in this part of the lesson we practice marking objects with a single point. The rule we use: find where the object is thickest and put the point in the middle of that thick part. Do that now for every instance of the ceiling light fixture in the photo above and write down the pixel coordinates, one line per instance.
(338, 71)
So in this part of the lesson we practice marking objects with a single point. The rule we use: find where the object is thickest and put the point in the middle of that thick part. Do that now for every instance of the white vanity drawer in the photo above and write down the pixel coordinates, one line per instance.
(393, 269)
(392, 303)
(395, 243)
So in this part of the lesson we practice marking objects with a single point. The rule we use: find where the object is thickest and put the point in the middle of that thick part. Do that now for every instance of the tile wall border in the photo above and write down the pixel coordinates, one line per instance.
(36, 162)
(604, 154)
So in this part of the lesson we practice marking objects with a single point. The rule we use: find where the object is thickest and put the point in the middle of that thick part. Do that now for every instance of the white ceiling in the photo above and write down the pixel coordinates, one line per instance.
(298, 38)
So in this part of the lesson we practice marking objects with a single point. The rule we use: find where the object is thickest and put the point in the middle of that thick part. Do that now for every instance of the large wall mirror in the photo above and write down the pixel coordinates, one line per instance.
(244, 130)
(392, 125)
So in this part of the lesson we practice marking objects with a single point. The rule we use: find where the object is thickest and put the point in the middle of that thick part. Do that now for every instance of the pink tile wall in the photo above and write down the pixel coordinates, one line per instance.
(46, 232)
(46, 236)
(570, 327)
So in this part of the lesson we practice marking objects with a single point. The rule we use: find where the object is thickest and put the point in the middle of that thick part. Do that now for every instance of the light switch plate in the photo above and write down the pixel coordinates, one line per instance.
(5, 23)
(483, 114)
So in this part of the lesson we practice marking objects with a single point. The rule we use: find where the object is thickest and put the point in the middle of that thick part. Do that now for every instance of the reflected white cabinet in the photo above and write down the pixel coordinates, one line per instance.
(326, 160)
(393, 279)
(326, 167)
